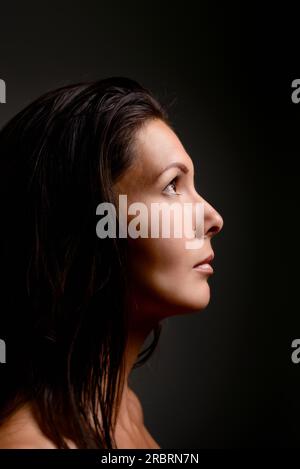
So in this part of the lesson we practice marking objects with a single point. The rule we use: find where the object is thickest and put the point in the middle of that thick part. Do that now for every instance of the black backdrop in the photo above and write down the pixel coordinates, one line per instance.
(222, 378)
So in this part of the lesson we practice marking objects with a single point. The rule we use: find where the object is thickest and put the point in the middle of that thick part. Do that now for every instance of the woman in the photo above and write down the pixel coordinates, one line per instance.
(77, 308)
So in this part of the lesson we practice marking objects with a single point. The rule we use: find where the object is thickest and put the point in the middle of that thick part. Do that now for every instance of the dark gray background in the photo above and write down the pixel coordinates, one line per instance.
(222, 378)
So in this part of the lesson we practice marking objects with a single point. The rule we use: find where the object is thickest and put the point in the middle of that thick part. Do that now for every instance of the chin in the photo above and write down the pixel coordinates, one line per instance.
(191, 301)
(199, 297)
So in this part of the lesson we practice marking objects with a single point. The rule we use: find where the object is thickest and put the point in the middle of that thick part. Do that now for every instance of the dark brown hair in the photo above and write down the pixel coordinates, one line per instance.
(63, 290)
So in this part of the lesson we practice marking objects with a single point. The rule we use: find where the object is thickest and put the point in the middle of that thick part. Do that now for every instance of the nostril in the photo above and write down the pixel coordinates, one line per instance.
(214, 230)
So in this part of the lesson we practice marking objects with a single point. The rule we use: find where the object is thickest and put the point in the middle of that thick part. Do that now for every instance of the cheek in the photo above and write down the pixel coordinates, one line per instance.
(158, 261)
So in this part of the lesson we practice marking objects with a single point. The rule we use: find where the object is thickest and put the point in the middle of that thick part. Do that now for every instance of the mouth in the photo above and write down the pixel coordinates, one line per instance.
(204, 265)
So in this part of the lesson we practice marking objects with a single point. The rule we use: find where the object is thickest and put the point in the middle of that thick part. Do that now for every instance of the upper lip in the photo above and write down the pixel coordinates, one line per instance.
(207, 260)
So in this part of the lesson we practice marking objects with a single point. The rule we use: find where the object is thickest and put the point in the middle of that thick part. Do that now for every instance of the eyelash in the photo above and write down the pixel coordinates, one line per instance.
(171, 182)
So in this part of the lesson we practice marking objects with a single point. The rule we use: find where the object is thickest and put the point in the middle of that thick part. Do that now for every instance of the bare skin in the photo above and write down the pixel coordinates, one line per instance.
(162, 273)
(21, 430)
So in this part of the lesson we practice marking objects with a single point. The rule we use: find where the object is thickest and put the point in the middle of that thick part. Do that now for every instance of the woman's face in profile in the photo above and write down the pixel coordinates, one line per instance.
(161, 270)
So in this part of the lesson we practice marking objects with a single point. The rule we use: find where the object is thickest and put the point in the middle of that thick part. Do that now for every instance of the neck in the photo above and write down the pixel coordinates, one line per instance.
(136, 337)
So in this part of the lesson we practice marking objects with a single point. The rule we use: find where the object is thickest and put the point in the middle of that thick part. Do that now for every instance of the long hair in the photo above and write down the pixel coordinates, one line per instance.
(63, 290)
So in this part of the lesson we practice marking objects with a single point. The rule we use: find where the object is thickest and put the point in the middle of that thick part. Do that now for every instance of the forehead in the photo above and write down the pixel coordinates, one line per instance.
(157, 146)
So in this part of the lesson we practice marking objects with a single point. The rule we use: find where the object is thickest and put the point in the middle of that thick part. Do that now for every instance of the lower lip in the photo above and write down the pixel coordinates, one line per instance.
(205, 268)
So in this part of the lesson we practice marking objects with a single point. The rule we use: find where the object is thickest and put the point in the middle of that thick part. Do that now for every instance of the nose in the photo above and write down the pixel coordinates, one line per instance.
(213, 221)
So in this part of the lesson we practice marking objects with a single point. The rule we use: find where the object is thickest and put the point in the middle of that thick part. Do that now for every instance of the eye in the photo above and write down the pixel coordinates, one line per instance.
(172, 184)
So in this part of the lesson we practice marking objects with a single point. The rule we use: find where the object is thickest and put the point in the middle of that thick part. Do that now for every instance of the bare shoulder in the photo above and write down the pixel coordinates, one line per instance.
(135, 406)
(20, 431)
(21, 441)
(21, 445)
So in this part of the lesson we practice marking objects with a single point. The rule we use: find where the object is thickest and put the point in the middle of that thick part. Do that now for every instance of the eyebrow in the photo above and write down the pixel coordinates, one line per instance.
(176, 164)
